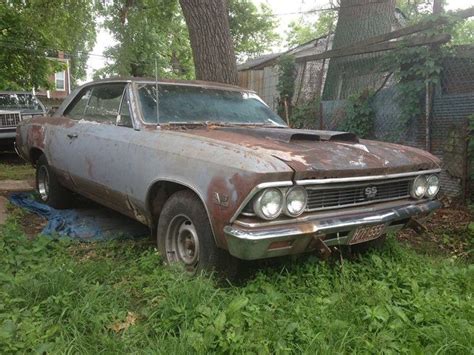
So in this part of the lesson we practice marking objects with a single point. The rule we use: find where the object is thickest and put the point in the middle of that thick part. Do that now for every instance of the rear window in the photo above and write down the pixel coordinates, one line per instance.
(15, 101)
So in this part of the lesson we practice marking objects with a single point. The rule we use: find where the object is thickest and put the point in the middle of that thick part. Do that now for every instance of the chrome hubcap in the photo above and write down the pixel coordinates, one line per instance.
(182, 242)
(43, 183)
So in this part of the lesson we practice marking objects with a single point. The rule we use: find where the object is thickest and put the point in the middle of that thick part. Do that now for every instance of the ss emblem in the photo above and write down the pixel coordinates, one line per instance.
(370, 192)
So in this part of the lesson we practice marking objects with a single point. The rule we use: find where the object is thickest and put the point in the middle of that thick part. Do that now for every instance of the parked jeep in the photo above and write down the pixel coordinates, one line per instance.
(217, 176)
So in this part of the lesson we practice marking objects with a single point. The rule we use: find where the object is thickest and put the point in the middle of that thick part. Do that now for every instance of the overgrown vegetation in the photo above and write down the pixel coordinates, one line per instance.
(286, 84)
(305, 115)
(117, 297)
(359, 115)
(470, 154)
(16, 171)
(302, 115)
(415, 69)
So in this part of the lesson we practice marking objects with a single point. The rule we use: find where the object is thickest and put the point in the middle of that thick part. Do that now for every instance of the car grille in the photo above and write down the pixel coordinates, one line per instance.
(321, 197)
(10, 119)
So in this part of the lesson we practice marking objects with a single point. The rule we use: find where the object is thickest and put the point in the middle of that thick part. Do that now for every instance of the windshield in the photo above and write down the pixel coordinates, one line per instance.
(187, 104)
(15, 101)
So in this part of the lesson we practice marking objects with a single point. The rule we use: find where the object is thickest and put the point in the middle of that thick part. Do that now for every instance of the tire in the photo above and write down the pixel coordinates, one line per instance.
(184, 236)
(49, 189)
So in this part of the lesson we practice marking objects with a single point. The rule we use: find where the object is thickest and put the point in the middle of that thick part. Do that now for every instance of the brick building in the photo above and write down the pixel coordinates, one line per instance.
(61, 82)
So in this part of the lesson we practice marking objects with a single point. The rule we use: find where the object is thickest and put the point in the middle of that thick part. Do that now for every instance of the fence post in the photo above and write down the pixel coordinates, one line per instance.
(428, 106)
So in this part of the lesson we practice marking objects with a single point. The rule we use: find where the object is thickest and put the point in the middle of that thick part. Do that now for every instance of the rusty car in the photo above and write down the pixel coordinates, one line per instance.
(218, 177)
(15, 106)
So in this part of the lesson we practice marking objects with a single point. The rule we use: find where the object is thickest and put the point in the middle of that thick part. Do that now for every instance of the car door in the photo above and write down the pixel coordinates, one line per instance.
(62, 132)
(101, 164)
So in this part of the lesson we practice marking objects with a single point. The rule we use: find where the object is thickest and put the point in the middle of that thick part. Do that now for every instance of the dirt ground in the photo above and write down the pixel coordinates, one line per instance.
(448, 231)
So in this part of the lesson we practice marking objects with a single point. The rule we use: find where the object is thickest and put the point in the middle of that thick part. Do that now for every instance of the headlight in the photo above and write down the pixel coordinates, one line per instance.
(433, 186)
(269, 203)
(420, 185)
(296, 200)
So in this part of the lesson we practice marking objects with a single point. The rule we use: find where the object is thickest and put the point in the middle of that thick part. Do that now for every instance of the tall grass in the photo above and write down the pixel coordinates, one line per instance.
(118, 297)
(16, 171)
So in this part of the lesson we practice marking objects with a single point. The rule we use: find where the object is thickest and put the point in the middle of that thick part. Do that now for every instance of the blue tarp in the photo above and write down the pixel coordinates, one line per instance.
(83, 223)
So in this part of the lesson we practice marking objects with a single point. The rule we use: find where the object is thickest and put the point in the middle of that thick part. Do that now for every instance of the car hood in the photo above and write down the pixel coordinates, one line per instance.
(323, 154)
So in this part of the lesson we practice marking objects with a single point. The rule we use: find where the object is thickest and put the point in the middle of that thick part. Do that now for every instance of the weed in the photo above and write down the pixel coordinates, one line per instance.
(124, 300)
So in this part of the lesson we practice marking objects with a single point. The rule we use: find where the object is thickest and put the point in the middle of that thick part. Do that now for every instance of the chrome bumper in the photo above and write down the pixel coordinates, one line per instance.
(8, 133)
(298, 237)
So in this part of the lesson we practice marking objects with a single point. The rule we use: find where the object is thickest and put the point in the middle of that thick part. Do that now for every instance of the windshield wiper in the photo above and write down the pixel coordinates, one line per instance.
(178, 123)
(220, 123)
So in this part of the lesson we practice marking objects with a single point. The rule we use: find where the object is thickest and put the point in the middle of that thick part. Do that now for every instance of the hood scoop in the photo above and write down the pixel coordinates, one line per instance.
(288, 135)
(332, 136)
(336, 136)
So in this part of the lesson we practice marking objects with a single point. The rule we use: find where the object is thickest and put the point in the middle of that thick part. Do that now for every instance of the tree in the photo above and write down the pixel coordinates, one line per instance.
(147, 32)
(166, 38)
(414, 10)
(303, 31)
(252, 29)
(30, 31)
(211, 42)
(357, 20)
(463, 32)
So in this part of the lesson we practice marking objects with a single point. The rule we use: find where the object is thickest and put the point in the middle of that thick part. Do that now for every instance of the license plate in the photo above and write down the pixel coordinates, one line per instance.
(363, 234)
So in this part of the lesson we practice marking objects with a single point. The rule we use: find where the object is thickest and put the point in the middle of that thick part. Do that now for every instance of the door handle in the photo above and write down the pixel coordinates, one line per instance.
(72, 135)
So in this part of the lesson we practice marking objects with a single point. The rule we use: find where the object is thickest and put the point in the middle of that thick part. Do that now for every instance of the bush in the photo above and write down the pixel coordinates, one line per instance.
(359, 115)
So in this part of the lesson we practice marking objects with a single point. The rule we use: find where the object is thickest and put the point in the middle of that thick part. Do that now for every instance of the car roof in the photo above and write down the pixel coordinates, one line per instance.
(199, 83)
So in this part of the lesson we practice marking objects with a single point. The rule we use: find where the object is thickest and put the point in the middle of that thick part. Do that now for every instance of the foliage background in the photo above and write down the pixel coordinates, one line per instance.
(148, 30)
(31, 31)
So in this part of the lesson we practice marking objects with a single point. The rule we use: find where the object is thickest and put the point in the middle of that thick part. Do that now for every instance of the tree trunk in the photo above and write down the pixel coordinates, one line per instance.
(209, 32)
(357, 20)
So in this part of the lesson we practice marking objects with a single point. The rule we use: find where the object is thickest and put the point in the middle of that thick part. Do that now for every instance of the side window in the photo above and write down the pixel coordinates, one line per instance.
(76, 110)
(104, 103)
(125, 118)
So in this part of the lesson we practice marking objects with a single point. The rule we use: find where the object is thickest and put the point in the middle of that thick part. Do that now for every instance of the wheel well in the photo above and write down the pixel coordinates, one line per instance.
(35, 153)
(159, 194)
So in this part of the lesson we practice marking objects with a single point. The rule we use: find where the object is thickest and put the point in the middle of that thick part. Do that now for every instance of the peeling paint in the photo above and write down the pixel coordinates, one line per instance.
(221, 164)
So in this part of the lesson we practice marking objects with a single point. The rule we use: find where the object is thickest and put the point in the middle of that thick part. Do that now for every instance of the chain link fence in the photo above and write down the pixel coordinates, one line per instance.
(401, 79)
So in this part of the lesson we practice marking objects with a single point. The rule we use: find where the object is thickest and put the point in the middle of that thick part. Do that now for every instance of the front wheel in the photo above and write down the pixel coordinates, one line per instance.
(184, 236)
(48, 187)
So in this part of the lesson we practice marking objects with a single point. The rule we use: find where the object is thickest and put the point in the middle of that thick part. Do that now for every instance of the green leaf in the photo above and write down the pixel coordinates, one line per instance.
(219, 322)
(237, 303)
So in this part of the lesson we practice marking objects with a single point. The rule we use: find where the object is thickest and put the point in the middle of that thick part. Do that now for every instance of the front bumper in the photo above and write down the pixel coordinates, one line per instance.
(249, 243)
(8, 133)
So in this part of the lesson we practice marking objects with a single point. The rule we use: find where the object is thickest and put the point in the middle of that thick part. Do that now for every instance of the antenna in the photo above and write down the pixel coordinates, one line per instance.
(156, 91)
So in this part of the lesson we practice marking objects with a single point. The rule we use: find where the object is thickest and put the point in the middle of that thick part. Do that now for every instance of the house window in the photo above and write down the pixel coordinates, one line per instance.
(59, 81)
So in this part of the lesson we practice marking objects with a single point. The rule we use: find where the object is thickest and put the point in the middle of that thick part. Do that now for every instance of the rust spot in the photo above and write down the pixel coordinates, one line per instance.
(54, 121)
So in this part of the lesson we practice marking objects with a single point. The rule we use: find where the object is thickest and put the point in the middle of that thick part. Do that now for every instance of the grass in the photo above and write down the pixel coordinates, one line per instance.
(118, 297)
(16, 171)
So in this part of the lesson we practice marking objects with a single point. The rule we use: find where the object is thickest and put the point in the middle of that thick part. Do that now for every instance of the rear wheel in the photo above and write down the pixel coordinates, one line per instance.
(184, 236)
(48, 187)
